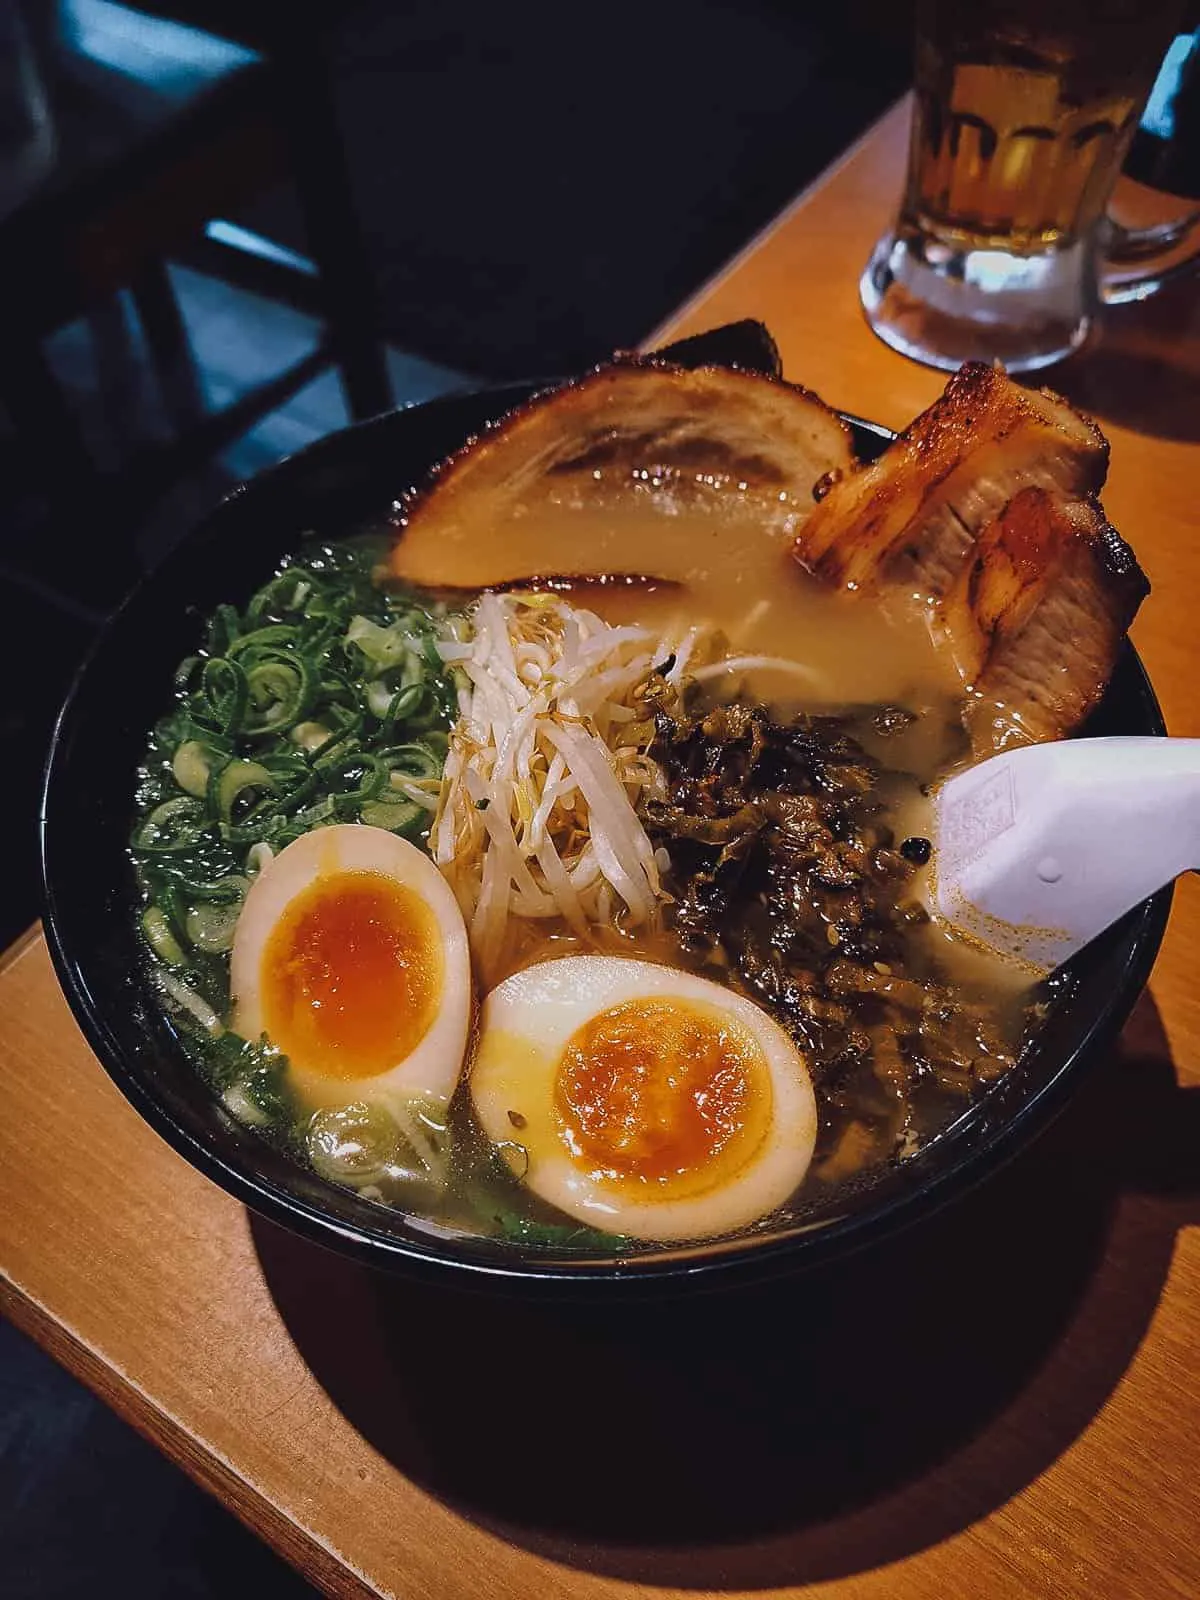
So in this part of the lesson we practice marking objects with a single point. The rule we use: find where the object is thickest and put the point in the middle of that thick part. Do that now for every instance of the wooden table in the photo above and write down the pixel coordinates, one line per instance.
(1003, 1403)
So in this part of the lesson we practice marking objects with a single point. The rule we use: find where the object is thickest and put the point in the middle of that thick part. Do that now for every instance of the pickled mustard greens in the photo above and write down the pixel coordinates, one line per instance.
(324, 700)
(787, 879)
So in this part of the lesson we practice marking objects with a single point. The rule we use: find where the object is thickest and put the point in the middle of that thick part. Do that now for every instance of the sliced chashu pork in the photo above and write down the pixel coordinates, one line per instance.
(985, 506)
(911, 516)
(564, 486)
(1036, 616)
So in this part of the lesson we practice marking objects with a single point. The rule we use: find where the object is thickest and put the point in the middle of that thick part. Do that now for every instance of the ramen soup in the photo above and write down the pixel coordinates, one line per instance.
(552, 865)
(586, 913)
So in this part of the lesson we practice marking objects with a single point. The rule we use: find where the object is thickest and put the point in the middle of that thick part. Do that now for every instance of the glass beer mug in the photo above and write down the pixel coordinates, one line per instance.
(1024, 110)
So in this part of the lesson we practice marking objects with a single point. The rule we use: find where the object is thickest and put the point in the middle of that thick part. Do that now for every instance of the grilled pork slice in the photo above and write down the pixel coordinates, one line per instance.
(1035, 619)
(986, 506)
(613, 474)
(911, 517)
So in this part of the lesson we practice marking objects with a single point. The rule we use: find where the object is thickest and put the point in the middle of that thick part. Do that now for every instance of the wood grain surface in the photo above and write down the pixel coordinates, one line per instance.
(1003, 1402)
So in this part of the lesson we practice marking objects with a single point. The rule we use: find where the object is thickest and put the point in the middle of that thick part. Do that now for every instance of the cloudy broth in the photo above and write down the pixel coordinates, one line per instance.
(858, 659)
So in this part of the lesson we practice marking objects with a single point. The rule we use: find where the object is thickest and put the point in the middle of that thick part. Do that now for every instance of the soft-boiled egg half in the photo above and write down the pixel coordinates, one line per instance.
(350, 955)
(640, 1099)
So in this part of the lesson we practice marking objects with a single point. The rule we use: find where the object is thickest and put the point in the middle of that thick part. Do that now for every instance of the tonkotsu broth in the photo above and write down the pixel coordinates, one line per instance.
(862, 656)
(857, 656)
(720, 566)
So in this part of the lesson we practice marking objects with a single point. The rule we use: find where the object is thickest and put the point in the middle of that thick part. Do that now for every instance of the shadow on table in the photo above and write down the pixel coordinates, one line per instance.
(797, 1432)
(1143, 369)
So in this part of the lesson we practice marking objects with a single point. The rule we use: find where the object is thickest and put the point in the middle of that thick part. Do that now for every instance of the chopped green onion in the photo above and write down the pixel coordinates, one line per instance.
(171, 827)
(310, 736)
(395, 816)
(224, 693)
(280, 689)
(324, 700)
(157, 928)
(191, 766)
(379, 698)
(193, 1005)
(210, 926)
(325, 810)
(260, 857)
(238, 778)
(239, 1102)
(279, 633)
(353, 1144)
(385, 647)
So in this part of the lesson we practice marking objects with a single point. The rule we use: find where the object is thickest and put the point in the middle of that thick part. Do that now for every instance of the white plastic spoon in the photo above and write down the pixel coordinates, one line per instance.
(1038, 850)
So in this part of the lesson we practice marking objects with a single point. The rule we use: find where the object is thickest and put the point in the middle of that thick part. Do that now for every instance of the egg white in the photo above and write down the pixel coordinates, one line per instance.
(431, 1070)
(526, 1023)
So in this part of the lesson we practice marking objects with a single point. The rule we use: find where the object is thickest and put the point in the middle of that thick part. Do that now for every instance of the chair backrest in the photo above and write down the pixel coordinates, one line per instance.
(27, 138)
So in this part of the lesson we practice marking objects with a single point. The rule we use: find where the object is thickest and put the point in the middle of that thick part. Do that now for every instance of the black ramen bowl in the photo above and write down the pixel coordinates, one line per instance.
(125, 686)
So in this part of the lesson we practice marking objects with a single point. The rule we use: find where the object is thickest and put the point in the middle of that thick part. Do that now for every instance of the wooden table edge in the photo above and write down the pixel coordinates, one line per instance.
(24, 942)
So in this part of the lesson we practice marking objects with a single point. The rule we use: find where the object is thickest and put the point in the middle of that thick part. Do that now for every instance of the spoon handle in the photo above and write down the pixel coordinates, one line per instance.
(1042, 848)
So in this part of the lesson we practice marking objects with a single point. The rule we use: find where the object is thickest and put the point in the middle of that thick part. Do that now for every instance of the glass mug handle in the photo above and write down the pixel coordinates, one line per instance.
(1164, 159)
(1123, 247)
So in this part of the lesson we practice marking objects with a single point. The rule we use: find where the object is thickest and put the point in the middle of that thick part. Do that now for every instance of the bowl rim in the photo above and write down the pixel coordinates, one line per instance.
(746, 1259)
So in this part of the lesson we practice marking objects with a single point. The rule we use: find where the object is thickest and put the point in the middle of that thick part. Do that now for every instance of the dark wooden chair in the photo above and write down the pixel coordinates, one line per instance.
(141, 129)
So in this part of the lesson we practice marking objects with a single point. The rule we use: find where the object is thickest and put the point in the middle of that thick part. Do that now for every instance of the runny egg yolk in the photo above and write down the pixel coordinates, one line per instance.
(642, 1100)
(352, 975)
(662, 1092)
